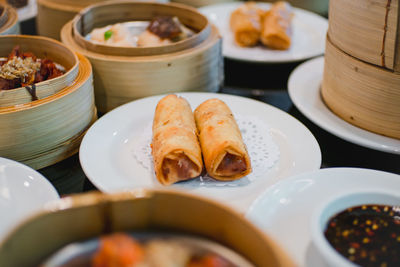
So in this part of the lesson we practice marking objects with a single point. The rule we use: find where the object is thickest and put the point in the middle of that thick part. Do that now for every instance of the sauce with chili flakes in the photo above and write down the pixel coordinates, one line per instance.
(367, 235)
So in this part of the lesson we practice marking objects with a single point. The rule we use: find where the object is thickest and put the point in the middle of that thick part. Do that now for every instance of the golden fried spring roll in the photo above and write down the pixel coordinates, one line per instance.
(224, 152)
(276, 30)
(245, 23)
(175, 146)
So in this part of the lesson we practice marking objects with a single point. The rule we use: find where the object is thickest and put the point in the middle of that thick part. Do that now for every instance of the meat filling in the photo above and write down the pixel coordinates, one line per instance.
(180, 167)
(165, 27)
(231, 165)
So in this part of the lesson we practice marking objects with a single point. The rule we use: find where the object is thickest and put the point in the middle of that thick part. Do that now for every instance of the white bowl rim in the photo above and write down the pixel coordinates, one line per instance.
(321, 244)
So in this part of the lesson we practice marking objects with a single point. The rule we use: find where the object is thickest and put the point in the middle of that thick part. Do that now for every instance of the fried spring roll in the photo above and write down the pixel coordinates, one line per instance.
(245, 23)
(277, 30)
(224, 152)
(175, 146)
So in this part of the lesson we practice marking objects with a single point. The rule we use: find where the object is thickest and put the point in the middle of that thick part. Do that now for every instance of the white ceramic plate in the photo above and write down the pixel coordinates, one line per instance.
(106, 150)
(304, 90)
(308, 39)
(284, 210)
(22, 192)
(27, 12)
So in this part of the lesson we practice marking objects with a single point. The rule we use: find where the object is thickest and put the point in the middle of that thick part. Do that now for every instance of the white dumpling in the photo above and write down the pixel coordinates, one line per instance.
(120, 33)
(147, 38)
(120, 36)
(97, 34)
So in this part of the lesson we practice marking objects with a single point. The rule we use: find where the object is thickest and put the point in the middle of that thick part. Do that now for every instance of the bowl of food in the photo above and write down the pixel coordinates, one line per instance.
(139, 54)
(46, 100)
(358, 229)
(146, 28)
(132, 226)
(41, 64)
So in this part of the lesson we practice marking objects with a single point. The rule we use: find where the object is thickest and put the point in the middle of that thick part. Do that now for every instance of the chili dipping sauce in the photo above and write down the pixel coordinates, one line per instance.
(367, 235)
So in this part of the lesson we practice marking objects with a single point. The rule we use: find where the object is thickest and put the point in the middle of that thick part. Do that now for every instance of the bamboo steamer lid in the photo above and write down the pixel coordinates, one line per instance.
(8, 20)
(43, 132)
(367, 29)
(54, 14)
(361, 93)
(42, 47)
(138, 211)
(119, 79)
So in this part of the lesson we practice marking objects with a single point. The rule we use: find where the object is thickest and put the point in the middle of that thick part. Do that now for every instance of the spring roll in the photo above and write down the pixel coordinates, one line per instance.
(224, 152)
(245, 23)
(175, 146)
(277, 30)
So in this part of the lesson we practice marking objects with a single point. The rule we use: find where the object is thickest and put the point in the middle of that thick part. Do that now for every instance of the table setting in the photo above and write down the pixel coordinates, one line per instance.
(199, 133)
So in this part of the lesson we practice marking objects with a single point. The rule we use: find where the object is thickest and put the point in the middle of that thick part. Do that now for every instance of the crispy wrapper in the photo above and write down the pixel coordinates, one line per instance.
(246, 23)
(175, 146)
(224, 152)
(277, 30)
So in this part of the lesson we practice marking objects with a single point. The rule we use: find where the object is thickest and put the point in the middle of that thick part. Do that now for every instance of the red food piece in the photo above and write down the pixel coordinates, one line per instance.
(14, 53)
(118, 250)
(48, 70)
(209, 260)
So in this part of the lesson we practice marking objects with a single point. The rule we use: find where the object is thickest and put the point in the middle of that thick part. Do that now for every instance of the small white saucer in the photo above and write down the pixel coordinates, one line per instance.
(22, 192)
(284, 211)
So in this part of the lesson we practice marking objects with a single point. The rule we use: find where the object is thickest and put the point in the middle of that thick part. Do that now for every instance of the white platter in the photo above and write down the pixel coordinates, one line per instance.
(27, 12)
(22, 192)
(304, 90)
(308, 39)
(107, 159)
(284, 211)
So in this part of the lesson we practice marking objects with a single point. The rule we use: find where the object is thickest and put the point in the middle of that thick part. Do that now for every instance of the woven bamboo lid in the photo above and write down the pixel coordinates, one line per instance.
(367, 30)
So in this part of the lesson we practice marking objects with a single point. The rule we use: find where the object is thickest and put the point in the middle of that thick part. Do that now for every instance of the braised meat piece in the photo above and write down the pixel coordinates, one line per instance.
(25, 69)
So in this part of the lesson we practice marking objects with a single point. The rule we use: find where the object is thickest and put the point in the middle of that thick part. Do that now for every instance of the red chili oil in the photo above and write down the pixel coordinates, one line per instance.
(367, 235)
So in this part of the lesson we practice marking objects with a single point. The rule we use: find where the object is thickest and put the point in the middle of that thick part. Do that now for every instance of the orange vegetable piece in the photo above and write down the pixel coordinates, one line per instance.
(118, 250)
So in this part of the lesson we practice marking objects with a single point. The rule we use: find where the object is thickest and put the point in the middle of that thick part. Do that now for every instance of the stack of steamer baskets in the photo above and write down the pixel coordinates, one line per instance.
(8, 20)
(361, 81)
(42, 132)
(122, 74)
(53, 14)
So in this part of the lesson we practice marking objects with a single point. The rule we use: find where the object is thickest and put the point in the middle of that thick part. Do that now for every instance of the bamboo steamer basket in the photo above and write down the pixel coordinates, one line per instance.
(368, 30)
(363, 94)
(42, 47)
(101, 15)
(43, 132)
(8, 20)
(141, 210)
(119, 79)
(53, 14)
(199, 3)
